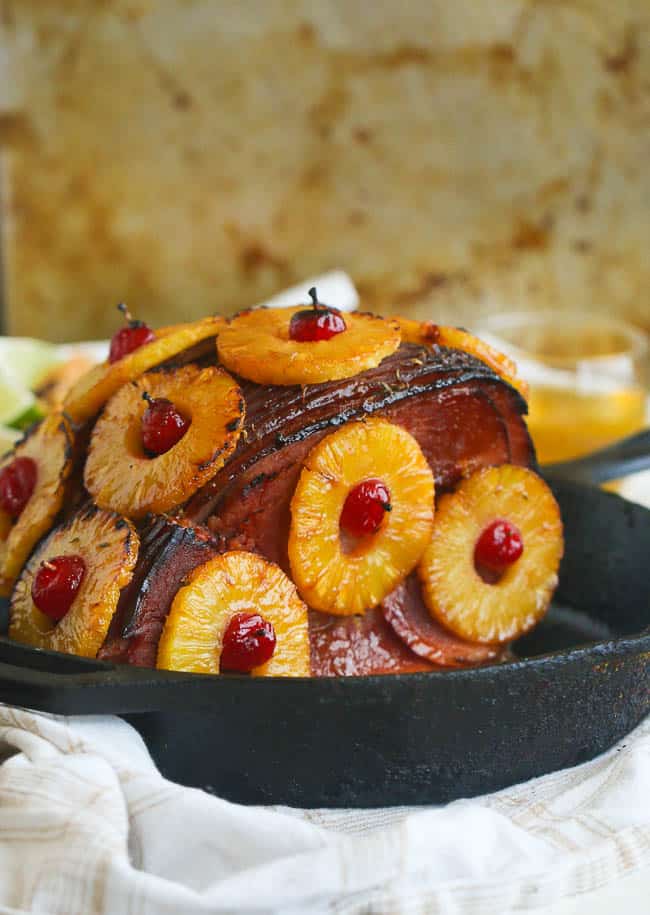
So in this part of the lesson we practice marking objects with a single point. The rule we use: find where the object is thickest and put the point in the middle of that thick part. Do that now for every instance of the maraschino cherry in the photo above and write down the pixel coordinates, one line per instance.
(162, 425)
(127, 339)
(56, 584)
(248, 642)
(17, 482)
(499, 546)
(317, 323)
(365, 507)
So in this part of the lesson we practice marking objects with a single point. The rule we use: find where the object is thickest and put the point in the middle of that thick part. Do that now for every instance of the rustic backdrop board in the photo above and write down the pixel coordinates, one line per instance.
(454, 157)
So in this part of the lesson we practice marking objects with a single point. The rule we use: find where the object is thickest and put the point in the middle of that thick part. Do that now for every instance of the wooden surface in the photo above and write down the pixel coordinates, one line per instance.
(454, 158)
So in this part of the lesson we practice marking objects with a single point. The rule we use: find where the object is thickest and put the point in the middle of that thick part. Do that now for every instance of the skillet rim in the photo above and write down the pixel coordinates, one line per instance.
(620, 647)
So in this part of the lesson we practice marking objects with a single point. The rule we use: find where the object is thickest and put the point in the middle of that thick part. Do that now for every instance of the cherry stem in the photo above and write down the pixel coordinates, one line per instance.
(125, 311)
(314, 299)
(387, 506)
(147, 396)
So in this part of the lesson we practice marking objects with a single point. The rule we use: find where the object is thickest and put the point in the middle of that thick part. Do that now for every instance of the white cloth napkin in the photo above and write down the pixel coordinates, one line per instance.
(88, 825)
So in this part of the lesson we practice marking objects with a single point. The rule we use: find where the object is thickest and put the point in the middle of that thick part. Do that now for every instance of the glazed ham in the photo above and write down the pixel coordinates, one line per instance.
(168, 552)
(463, 417)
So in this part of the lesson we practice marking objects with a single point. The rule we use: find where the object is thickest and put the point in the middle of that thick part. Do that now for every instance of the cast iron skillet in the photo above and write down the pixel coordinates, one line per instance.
(580, 683)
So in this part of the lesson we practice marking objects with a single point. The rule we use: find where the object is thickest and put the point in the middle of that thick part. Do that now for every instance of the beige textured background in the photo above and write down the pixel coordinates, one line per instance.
(192, 156)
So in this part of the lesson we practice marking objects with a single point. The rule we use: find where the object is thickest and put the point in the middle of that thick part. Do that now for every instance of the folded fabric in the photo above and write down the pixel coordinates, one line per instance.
(88, 825)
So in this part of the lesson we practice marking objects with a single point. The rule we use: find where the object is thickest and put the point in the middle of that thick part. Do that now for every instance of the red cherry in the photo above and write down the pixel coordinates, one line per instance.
(499, 546)
(318, 323)
(127, 339)
(17, 482)
(364, 508)
(56, 584)
(310, 326)
(162, 426)
(248, 642)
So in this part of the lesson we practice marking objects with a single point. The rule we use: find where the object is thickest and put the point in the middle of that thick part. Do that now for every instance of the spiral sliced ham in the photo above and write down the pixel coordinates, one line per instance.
(463, 416)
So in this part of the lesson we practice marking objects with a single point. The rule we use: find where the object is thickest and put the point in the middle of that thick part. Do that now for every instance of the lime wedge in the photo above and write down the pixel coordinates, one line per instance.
(8, 438)
(15, 400)
(33, 414)
(27, 361)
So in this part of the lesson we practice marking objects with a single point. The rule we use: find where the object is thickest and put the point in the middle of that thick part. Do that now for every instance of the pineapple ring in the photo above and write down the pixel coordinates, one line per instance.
(50, 446)
(430, 334)
(456, 595)
(232, 583)
(118, 473)
(85, 399)
(256, 345)
(109, 546)
(328, 577)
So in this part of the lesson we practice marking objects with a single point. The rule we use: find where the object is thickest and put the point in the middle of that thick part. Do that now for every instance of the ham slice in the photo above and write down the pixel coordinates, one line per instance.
(408, 616)
(168, 552)
(348, 646)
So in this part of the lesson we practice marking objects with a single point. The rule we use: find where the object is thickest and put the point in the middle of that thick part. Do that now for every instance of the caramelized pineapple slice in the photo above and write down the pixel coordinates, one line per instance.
(108, 546)
(122, 478)
(340, 574)
(233, 583)
(257, 346)
(503, 606)
(49, 446)
(430, 334)
(85, 399)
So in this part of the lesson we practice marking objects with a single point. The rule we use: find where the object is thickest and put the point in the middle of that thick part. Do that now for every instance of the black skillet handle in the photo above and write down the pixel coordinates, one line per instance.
(629, 455)
(69, 685)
